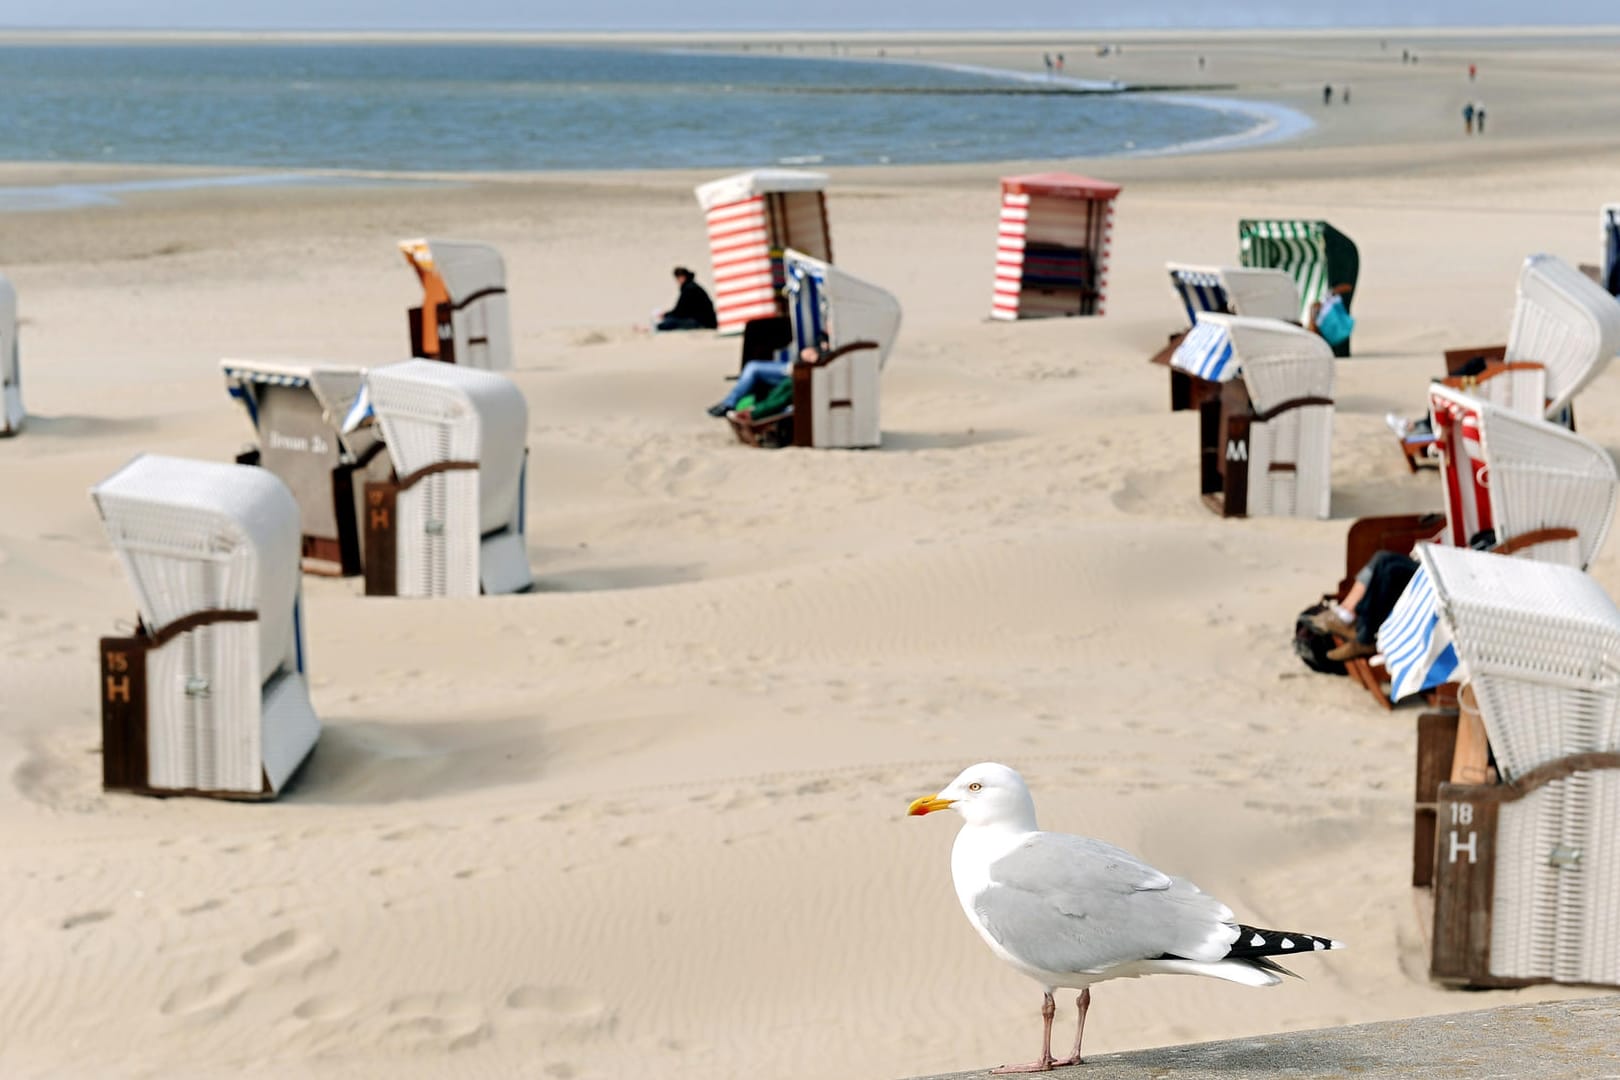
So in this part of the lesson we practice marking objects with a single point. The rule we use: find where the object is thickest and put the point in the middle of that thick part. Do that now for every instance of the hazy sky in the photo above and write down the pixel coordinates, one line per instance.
(783, 14)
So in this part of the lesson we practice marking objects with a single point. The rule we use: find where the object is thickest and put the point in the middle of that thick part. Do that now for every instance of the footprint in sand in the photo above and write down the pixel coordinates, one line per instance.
(568, 1004)
(449, 1020)
(210, 998)
(85, 918)
(323, 1008)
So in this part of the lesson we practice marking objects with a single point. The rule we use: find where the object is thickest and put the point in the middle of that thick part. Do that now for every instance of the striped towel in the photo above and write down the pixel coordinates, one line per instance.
(1417, 647)
(1206, 352)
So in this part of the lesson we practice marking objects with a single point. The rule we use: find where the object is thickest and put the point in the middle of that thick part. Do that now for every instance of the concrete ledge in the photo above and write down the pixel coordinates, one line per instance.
(1569, 1040)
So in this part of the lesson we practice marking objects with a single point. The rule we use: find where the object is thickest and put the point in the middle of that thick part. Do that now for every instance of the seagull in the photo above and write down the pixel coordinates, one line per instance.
(1068, 911)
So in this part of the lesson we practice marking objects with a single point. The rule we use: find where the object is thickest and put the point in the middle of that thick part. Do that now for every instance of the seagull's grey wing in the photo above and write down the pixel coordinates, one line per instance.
(1065, 903)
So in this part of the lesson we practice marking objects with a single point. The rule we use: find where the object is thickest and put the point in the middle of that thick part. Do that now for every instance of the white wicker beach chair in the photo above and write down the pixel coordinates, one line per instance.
(1567, 323)
(209, 696)
(298, 409)
(1547, 492)
(1274, 438)
(842, 396)
(452, 522)
(1540, 645)
(464, 317)
(11, 402)
(1235, 290)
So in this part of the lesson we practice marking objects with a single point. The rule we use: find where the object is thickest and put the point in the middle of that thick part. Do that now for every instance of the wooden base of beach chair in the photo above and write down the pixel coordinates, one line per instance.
(1224, 427)
(124, 713)
(1436, 744)
(1468, 848)
(766, 433)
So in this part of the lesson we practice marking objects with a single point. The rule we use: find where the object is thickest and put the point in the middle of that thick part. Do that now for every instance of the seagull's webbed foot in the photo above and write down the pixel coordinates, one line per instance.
(1081, 1004)
(1045, 1062)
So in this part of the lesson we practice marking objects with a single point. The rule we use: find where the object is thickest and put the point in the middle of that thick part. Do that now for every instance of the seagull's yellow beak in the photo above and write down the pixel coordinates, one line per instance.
(928, 804)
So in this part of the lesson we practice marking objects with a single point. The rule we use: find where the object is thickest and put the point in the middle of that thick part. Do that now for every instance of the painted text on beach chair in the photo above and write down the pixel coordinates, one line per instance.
(752, 218)
(298, 410)
(209, 695)
(1319, 258)
(1531, 898)
(450, 521)
(1052, 247)
(1564, 322)
(463, 318)
(852, 325)
(11, 402)
(1222, 290)
(1266, 441)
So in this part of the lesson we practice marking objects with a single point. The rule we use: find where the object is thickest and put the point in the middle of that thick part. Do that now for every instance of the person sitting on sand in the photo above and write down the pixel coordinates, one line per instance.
(693, 309)
(758, 378)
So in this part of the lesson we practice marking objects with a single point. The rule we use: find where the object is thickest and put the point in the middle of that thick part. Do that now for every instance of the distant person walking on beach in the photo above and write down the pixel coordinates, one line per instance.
(693, 309)
(1047, 58)
(1479, 118)
(1471, 70)
(1327, 94)
(1060, 62)
(1344, 95)
(1468, 118)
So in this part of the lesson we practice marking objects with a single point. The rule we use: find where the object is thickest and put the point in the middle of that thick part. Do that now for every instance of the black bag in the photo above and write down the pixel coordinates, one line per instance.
(1312, 644)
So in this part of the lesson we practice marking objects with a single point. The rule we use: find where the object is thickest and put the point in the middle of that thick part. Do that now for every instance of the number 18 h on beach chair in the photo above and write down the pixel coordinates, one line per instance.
(11, 403)
(1266, 442)
(463, 318)
(450, 522)
(208, 697)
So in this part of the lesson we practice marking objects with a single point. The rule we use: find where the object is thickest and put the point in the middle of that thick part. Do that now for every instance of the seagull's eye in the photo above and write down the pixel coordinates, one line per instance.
(975, 787)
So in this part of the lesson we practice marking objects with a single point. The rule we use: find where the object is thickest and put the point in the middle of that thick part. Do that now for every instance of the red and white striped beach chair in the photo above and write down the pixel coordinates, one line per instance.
(752, 218)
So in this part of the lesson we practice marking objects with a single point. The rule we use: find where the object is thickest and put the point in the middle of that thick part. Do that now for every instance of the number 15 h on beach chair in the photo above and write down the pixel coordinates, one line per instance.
(463, 318)
(1266, 443)
(451, 520)
(208, 697)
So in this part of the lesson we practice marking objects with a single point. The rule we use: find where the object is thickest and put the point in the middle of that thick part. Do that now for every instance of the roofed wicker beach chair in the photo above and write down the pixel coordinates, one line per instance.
(208, 697)
(297, 410)
(450, 522)
(1563, 324)
(1222, 290)
(1267, 440)
(752, 218)
(852, 324)
(1321, 260)
(1543, 491)
(1053, 246)
(463, 318)
(1525, 872)
(11, 402)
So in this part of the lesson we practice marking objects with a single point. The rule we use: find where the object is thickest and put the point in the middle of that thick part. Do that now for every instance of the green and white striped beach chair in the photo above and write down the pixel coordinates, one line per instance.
(1319, 258)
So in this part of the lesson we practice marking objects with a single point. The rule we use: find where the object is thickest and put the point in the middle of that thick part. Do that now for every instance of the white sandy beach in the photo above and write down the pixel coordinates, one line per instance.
(649, 819)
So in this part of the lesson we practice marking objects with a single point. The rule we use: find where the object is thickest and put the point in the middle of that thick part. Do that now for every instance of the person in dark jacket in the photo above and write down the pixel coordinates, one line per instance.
(693, 310)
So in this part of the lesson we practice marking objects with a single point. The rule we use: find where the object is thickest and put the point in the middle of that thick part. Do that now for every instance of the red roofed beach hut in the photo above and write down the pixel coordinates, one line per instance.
(753, 217)
(1052, 249)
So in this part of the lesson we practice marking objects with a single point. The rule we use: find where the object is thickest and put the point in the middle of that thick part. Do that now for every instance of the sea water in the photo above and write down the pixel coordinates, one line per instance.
(441, 107)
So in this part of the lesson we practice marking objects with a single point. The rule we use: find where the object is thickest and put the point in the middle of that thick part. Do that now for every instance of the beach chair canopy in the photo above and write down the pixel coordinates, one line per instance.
(459, 434)
(826, 300)
(742, 186)
(1316, 255)
(1567, 323)
(1279, 361)
(212, 554)
(331, 387)
(1611, 249)
(1053, 246)
(1234, 290)
(1520, 476)
(11, 403)
(467, 281)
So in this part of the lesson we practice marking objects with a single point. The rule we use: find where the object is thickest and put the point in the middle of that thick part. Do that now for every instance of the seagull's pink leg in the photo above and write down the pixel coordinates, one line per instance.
(1081, 1004)
(1048, 1010)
